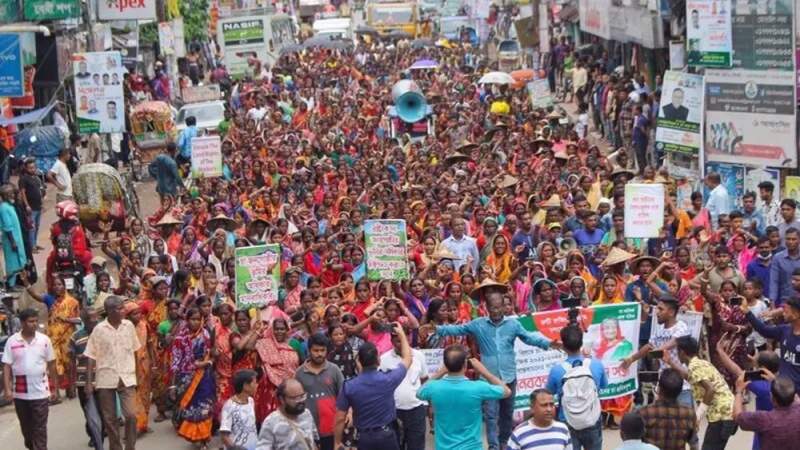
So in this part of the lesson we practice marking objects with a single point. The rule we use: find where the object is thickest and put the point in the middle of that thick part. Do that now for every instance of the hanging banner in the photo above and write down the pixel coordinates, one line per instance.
(791, 188)
(166, 38)
(709, 36)
(126, 9)
(732, 176)
(539, 92)
(385, 244)
(206, 157)
(750, 117)
(763, 35)
(257, 275)
(644, 210)
(28, 45)
(98, 89)
(680, 118)
(594, 17)
(38, 10)
(11, 74)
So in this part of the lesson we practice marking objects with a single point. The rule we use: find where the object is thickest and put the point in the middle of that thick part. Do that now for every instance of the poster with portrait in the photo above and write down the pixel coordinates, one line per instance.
(100, 100)
(791, 188)
(680, 118)
(732, 176)
(756, 175)
(709, 36)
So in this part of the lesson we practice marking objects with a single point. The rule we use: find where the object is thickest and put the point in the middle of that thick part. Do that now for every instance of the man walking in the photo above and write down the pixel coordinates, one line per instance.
(322, 381)
(411, 411)
(541, 431)
(185, 140)
(495, 336)
(565, 381)
(28, 358)
(456, 400)
(371, 397)
(77, 369)
(111, 349)
(165, 170)
(30, 186)
(60, 176)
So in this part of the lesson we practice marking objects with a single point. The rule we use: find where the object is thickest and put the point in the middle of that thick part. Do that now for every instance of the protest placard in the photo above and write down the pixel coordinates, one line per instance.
(206, 157)
(257, 275)
(385, 242)
(644, 210)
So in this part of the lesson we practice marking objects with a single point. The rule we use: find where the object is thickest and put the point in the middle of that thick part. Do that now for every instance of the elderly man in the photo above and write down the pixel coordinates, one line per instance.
(463, 246)
(291, 426)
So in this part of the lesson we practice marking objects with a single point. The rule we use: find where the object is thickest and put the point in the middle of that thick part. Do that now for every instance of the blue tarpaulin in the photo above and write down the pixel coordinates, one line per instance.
(47, 142)
(30, 117)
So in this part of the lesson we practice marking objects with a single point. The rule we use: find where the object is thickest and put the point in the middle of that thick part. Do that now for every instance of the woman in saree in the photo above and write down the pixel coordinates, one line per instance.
(545, 294)
(611, 348)
(243, 342)
(193, 379)
(278, 363)
(424, 254)
(416, 298)
(223, 355)
(576, 265)
(63, 318)
(500, 259)
(729, 326)
(610, 292)
(438, 314)
(456, 296)
(144, 361)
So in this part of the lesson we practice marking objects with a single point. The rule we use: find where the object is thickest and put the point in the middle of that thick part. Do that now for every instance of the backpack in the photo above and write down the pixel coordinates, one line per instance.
(579, 400)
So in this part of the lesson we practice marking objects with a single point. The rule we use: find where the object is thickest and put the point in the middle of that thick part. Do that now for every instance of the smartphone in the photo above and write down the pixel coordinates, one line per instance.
(735, 301)
(656, 354)
(753, 375)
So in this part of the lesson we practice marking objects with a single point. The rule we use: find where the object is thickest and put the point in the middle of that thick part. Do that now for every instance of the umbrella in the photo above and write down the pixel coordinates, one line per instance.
(398, 35)
(496, 78)
(424, 64)
(292, 48)
(422, 43)
(363, 29)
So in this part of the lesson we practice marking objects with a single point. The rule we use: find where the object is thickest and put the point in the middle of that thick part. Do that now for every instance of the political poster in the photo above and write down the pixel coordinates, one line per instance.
(732, 176)
(206, 157)
(385, 244)
(126, 9)
(595, 17)
(38, 10)
(750, 117)
(709, 36)
(644, 210)
(100, 100)
(679, 125)
(763, 35)
(11, 74)
(791, 188)
(677, 55)
(539, 92)
(755, 175)
(257, 275)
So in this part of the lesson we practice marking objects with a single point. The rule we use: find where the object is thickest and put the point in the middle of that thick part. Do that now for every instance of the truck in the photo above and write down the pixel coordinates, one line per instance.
(261, 37)
(393, 16)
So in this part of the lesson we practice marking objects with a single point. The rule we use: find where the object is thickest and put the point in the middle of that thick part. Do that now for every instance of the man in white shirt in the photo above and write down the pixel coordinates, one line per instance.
(28, 357)
(411, 411)
(464, 247)
(769, 206)
(60, 176)
(719, 201)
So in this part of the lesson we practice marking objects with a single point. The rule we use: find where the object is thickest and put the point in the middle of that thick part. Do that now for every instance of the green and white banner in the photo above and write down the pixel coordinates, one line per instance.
(258, 275)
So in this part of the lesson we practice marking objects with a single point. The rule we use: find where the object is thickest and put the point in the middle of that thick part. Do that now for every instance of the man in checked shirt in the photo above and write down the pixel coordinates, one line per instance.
(668, 424)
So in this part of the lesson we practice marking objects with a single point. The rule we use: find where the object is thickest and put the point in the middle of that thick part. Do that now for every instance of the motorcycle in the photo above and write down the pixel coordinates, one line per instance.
(68, 268)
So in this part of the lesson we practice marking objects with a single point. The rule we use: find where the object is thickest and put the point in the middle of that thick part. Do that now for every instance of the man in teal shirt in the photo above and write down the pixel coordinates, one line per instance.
(495, 336)
(185, 140)
(457, 401)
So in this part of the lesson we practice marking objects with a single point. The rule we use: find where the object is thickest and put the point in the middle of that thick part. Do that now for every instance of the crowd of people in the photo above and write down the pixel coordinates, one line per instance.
(508, 212)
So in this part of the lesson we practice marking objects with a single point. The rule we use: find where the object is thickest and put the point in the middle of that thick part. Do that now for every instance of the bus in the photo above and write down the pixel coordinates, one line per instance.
(262, 37)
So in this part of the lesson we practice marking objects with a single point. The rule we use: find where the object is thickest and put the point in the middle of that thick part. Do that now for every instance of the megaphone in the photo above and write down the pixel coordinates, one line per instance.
(409, 102)
(565, 246)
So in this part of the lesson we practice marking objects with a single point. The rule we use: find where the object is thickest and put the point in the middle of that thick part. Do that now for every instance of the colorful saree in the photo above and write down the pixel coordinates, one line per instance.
(143, 378)
(60, 332)
(195, 385)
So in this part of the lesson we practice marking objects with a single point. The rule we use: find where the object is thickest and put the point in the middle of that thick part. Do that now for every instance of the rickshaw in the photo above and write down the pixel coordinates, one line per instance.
(153, 127)
(106, 200)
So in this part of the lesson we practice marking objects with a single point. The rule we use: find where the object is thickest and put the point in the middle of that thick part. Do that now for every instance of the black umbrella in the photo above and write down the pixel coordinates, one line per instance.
(422, 43)
(363, 29)
(398, 35)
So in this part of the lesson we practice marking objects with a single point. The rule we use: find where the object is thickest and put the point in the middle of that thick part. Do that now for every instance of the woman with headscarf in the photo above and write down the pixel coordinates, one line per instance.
(545, 294)
(610, 291)
(223, 361)
(501, 260)
(144, 359)
(278, 363)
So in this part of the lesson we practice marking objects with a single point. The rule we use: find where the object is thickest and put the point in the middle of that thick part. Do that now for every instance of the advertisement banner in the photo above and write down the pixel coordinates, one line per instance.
(594, 17)
(709, 36)
(644, 210)
(385, 244)
(98, 89)
(126, 9)
(206, 157)
(732, 177)
(791, 188)
(750, 117)
(680, 119)
(241, 38)
(762, 35)
(257, 275)
(39, 10)
(539, 92)
(11, 74)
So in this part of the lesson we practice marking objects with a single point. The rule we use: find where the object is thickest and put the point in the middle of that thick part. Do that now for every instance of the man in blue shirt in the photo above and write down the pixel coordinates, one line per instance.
(165, 170)
(572, 339)
(782, 267)
(185, 140)
(752, 219)
(495, 336)
(457, 400)
(759, 267)
(371, 397)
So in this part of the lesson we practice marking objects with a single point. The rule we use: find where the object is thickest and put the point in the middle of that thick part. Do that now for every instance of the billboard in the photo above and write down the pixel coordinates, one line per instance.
(680, 118)
(100, 100)
(750, 117)
(38, 10)
(708, 33)
(594, 17)
(763, 35)
(241, 38)
(11, 75)
(126, 9)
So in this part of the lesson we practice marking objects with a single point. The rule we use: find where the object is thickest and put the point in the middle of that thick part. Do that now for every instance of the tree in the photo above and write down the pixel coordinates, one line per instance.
(195, 19)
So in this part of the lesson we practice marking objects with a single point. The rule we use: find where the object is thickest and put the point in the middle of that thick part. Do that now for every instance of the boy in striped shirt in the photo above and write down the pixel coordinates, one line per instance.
(541, 432)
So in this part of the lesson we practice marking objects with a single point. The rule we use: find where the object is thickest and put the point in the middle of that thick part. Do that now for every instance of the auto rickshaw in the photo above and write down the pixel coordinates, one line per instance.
(106, 200)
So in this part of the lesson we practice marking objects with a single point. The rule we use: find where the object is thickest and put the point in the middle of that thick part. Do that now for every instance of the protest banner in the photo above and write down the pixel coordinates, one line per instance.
(644, 210)
(257, 275)
(732, 177)
(539, 92)
(98, 92)
(385, 244)
(680, 121)
(612, 335)
(709, 35)
(791, 188)
(206, 157)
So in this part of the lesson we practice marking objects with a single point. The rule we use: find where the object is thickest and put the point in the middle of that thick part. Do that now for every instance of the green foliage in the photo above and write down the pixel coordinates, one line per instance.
(195, 19)
(148, 34)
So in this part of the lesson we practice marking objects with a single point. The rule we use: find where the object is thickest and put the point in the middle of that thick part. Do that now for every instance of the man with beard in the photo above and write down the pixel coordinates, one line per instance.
(322, 381)
(291, 426)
